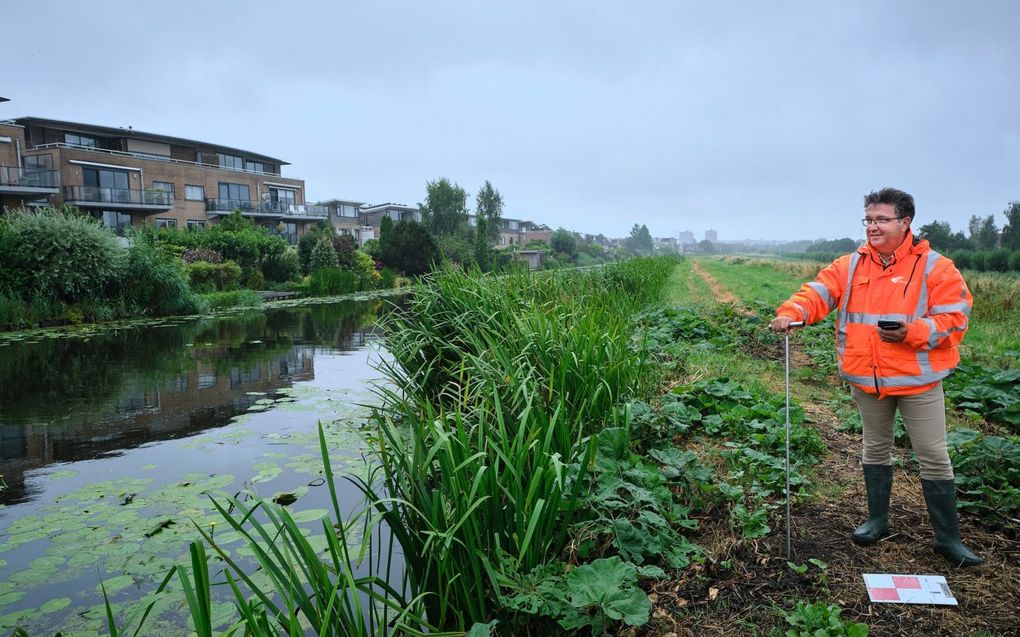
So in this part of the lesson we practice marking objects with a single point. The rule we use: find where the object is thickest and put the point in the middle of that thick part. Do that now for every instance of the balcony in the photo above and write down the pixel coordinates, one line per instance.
(29, 181)
(266, 209)
(117, 198)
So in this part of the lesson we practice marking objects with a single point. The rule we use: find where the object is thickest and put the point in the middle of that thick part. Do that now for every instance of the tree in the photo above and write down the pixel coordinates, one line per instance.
(706, 247)
(938, 233)
(445, 209)
(640, 240)
(384, 228)
(563, 242)
(1011, 231)
(482, 242)
(345, 246)
(323, 255)
(984, 234)
(489, 204)
(409, 248)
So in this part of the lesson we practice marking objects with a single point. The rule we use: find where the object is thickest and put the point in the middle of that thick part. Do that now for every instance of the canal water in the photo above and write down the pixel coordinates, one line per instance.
(113, 439)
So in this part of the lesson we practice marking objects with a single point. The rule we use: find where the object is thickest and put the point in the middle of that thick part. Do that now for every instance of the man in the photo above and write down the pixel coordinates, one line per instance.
(902, 311)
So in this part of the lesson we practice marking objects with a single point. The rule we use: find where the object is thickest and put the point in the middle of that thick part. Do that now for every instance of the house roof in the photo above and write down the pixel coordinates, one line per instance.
(384, 206)
(335, 201)
(112, 131)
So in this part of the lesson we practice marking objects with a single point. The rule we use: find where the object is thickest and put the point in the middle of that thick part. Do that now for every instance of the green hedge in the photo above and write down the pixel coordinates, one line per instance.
(213, 277)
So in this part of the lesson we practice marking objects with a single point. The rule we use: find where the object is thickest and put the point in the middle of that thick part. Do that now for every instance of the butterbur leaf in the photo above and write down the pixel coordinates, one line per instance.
(482, 630)
(609, 584)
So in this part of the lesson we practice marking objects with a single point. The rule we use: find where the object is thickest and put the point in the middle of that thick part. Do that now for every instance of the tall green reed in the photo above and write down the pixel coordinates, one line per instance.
(502, 382)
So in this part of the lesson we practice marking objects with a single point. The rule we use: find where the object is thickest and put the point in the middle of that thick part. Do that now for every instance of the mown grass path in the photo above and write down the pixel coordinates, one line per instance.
(758, 579)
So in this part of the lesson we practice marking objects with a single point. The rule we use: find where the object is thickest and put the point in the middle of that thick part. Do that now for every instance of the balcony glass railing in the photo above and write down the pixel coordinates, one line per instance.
(93, 194)
(230, 205)
(277, 208)
(29, 177)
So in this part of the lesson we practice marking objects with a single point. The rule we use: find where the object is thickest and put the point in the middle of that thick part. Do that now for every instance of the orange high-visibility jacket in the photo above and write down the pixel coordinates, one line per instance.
(920, 287)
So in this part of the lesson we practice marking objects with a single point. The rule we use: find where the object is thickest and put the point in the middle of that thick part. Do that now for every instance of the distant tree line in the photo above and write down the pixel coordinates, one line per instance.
(984, 247)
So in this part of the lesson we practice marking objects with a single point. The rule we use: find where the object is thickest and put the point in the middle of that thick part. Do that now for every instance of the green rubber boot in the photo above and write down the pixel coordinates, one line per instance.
(940, 495)
(878, 480)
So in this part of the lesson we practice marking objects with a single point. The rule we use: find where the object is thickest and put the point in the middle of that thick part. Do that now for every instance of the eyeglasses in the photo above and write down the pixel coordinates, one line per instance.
(879, 220)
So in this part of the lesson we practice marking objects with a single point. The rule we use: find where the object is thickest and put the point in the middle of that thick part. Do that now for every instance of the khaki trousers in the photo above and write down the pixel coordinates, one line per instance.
(925, 418)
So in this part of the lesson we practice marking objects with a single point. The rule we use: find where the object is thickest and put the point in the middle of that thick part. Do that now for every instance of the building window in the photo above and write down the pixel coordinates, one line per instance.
(282, 195)
(79, 140)
(44, 161)
(194, 193)
(165, 223)
(255, 167)
(102, 184)
(165, 186)
(230, 161)
(196, 224)
(240, 193)
(118, 221)
(346, 210)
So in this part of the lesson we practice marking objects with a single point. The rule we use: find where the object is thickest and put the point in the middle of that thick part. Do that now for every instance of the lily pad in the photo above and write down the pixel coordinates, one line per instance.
(310, 514)
(54, 605)
(116, 584)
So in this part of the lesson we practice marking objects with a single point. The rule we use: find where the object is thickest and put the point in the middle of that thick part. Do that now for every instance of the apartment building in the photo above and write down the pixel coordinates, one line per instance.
(518, 232)
(128, 178)
(346, 217)
(21, 182)
(372, 216)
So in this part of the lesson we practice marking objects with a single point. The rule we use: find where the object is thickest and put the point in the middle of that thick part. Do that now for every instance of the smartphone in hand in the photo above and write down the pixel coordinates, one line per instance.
(889, 325)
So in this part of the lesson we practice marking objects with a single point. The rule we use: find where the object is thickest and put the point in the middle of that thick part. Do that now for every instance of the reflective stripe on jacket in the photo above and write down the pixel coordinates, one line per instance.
(920, 288)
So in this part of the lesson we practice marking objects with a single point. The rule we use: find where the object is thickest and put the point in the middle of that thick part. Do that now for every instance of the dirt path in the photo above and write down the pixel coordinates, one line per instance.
(722, 295)
(739, 587)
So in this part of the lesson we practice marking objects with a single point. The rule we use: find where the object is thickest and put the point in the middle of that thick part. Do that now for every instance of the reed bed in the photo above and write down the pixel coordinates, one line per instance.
(498, 385)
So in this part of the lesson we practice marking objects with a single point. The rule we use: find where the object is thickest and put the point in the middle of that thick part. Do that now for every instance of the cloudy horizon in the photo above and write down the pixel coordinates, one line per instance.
(758, 120)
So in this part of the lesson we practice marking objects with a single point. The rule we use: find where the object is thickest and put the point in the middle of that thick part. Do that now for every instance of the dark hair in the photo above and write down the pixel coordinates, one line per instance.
(900, 200)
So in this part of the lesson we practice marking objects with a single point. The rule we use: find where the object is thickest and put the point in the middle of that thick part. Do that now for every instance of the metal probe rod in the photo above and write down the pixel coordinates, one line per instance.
(788, 517)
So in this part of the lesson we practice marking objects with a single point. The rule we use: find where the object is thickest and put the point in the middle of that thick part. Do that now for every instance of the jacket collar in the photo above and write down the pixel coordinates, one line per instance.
(905, 248)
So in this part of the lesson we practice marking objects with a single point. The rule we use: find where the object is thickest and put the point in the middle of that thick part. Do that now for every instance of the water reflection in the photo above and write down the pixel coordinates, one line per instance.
(80, 398)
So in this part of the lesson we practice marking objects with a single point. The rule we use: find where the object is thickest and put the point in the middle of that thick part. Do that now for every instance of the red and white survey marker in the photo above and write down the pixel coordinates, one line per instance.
(908, 589)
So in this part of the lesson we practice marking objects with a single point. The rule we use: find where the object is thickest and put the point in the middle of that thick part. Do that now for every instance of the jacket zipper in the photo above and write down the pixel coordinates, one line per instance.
(917, 260)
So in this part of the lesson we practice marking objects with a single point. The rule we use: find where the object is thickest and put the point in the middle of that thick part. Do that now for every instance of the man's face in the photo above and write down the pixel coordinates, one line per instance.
(885, 237)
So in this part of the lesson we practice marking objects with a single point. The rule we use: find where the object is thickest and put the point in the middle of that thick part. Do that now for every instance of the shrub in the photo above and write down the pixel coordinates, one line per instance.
(963, 259)
(345, 247)
(1014, 261)
(333, 282)
(152, 284)
(323, 255)
(456, 248)
(234, 298)
(192, 255)
(979, 261)
(372, 248)
(206, 276)
(387, 278)
(410, 249)
(59, 254)
(997, 260)
(365, 268)
(282, 267)
(254, 280)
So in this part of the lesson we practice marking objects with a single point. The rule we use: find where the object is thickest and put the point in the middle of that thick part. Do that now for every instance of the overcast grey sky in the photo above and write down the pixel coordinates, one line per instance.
(758, 119)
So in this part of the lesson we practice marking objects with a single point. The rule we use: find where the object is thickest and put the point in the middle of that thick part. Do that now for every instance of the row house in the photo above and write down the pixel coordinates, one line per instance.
(348, 216)
(127, 178)
(517, 232)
